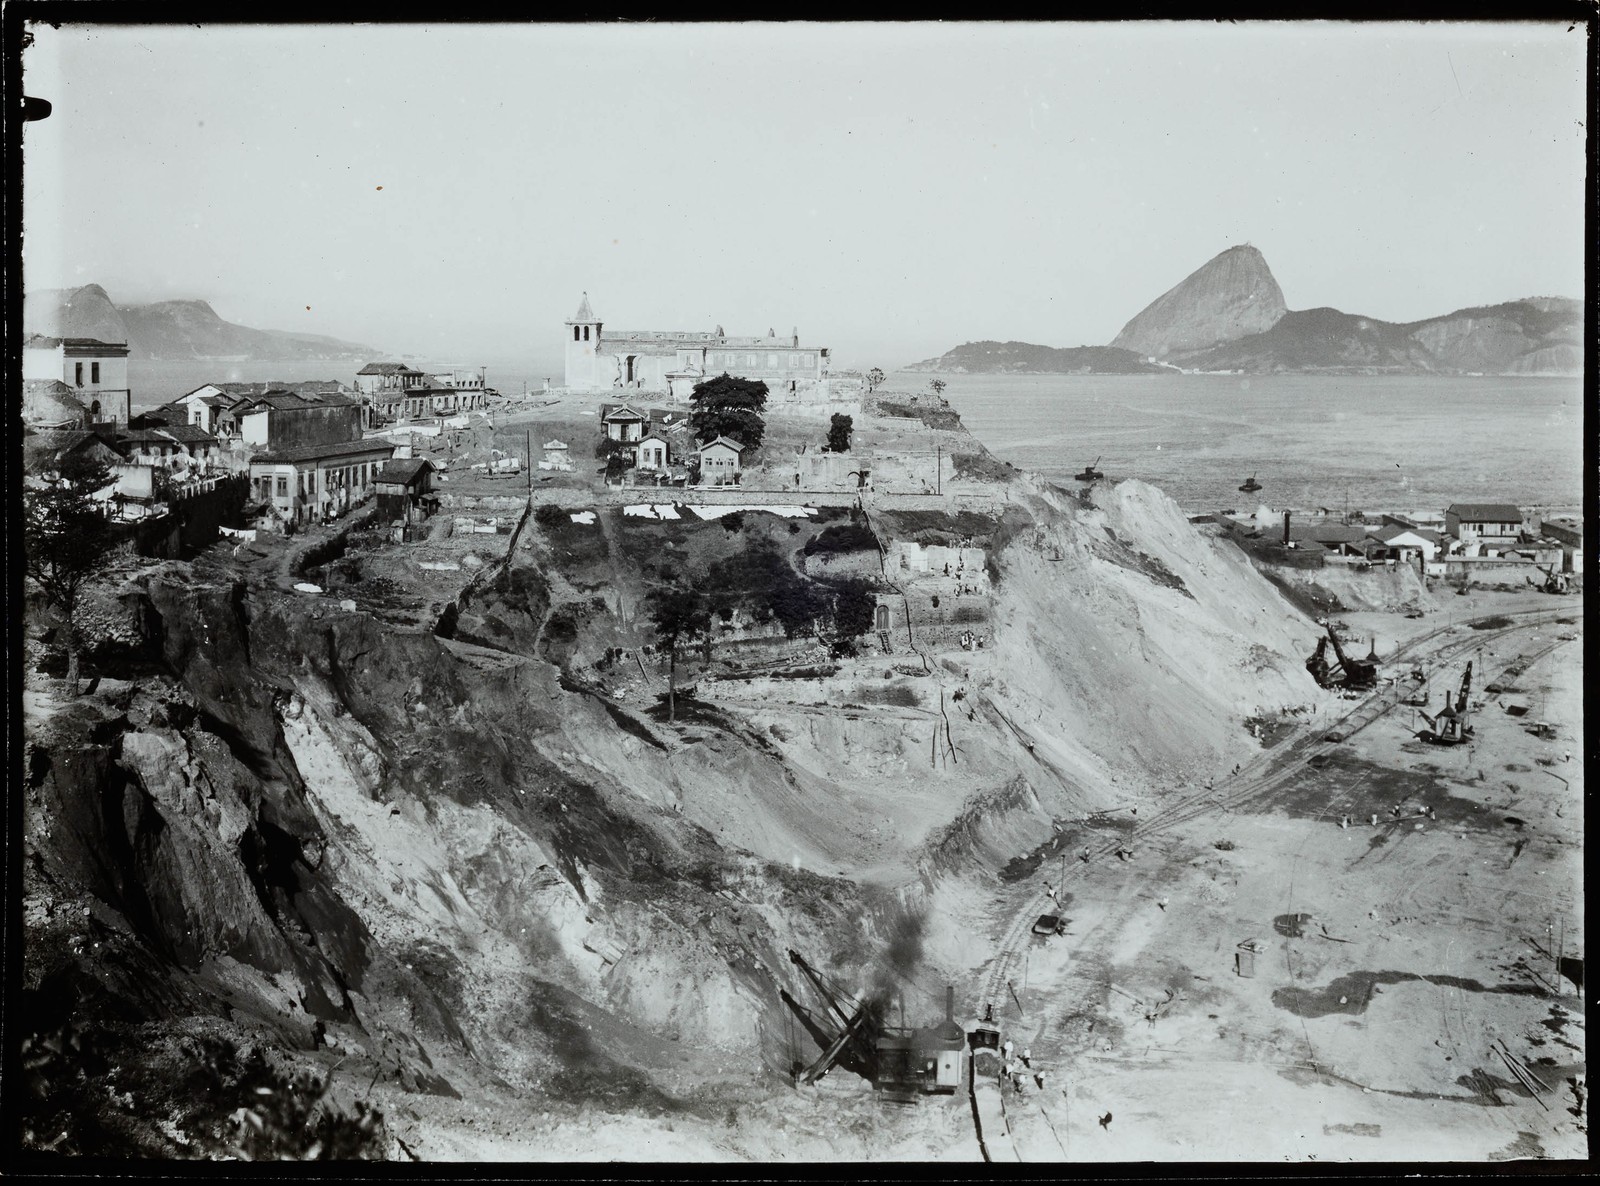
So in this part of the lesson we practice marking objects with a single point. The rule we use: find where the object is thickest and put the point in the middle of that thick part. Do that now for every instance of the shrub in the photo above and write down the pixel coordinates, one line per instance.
(550, 516)
(1223, 845)
(842, 537)
(733, 521)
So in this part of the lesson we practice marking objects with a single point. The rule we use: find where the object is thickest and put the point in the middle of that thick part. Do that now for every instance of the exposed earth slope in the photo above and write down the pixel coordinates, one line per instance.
(444, 848)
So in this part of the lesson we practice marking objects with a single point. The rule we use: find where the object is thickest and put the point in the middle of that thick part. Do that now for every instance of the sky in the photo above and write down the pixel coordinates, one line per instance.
(890, 190)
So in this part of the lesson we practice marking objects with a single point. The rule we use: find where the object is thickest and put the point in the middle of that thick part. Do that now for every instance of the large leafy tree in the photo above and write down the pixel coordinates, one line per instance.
(839, 429)
(874, 380)
(66, 538)
(728, 407)
(678, 613)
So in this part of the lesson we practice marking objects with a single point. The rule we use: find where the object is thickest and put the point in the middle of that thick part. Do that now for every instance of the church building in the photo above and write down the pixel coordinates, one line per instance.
(672, 361)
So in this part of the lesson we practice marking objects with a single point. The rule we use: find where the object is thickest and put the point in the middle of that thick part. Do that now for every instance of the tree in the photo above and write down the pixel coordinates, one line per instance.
(839, 430)
(938, 386)
(728, 407)
(678, 613)
(854, 607)
(874, 380)
(65, 538)
(550, 516)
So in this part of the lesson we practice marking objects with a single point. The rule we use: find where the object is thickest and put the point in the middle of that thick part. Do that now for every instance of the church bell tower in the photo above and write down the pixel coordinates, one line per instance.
(583, 348)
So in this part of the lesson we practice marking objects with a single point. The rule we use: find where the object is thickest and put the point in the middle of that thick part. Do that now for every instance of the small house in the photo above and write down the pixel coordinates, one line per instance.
(652, 452)
(719, 462)
(622, 423)
(405, 490)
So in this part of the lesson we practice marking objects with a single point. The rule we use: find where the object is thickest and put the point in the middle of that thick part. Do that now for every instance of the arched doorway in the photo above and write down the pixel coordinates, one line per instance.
(880, 618)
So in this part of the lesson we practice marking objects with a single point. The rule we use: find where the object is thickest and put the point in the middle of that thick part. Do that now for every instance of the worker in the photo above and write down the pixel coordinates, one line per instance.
(1008, 1048)
(1084, 855)
(1027, 1057)
(1374, 819)
(1432, 813)
(1038, 1078)
(988, 1012)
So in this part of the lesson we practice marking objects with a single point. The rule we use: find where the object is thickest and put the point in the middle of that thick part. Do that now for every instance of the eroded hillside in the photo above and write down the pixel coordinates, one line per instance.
(475, 879)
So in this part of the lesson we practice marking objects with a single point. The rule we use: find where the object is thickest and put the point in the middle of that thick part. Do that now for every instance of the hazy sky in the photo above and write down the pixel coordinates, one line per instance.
(892, 190)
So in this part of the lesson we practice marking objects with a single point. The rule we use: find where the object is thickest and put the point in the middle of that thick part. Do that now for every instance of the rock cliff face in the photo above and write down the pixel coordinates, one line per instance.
(170, 329)
(1231, 296)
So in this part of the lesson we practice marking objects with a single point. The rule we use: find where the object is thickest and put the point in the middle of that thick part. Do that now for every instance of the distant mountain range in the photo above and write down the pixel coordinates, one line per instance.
(1230, 315)
(173, 329)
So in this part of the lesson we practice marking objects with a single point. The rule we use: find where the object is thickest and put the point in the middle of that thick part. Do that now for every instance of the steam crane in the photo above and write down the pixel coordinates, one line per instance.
(1345, 672)
(1090, 474)
(1554, 582)
(1450, 726)
(853, 1022)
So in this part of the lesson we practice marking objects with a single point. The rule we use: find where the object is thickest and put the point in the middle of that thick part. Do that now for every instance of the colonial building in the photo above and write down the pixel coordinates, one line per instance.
(1483, 520)
(308, 460)
(673, 361)
(95, 371)
(312, 483)
(396, 391)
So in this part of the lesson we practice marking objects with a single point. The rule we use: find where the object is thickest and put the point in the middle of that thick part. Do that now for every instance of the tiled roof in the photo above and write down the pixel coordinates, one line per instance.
(388, 368)
(41, 448)
(1486, 512)
(50, 401)
(620, 412)
(406, 470)
(1395, 531)
(318, 452)
(732, 444)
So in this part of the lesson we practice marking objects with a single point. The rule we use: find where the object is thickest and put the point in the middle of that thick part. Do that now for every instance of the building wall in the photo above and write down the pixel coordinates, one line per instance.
(308, 491)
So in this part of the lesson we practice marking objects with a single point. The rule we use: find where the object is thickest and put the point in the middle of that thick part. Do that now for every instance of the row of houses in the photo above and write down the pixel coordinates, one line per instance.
(662, 446)
(1463, 532)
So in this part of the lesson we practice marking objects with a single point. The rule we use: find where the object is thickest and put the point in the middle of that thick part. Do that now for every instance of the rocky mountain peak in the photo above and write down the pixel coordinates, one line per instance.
(1232, 295)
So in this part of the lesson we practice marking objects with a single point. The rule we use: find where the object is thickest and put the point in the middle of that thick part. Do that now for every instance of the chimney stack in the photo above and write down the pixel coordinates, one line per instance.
(950, 1002)
(1286, 529)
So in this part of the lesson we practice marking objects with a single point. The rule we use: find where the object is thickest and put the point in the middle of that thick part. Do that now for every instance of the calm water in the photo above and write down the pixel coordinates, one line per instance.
(1396, 441)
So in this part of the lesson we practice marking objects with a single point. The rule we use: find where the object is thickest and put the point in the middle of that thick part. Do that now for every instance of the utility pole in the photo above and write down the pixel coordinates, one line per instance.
(528, 438)
(938, 469)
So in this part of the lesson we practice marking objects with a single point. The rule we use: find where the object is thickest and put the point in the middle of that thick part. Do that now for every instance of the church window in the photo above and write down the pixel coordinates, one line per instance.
(574, 333)
(586, 333)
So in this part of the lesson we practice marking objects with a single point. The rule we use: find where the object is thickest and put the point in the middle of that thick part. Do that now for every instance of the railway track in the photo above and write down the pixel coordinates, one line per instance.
(1272, 773)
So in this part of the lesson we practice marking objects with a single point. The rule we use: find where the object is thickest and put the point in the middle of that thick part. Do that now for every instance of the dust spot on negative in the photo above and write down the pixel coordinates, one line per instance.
(380, 187)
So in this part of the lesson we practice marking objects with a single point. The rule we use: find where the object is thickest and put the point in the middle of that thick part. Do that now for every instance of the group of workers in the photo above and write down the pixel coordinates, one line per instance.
(1013, 1065)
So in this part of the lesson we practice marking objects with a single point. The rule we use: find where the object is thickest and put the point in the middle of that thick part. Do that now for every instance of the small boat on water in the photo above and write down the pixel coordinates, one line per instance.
(1251, 485)
(1090, 474)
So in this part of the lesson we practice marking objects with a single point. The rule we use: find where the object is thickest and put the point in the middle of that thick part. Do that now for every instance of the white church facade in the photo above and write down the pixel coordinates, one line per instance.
(672, 362)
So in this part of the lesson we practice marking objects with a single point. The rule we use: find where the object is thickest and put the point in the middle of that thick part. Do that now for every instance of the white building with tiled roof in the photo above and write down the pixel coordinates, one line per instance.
(671, 361)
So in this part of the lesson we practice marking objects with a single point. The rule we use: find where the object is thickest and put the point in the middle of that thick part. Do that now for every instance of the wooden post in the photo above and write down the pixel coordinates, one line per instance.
(528, 437)
(1561, 954)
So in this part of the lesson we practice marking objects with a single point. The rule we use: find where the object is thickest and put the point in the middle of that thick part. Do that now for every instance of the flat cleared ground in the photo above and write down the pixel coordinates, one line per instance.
(1398, 963)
